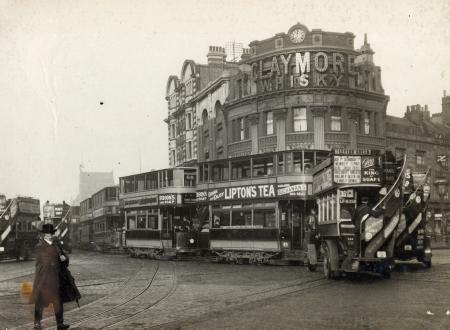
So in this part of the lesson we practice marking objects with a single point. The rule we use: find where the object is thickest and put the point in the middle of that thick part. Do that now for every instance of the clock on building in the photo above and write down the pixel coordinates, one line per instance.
(297, 35)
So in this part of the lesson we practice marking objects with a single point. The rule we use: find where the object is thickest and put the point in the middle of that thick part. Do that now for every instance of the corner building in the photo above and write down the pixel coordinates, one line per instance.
(263, 123)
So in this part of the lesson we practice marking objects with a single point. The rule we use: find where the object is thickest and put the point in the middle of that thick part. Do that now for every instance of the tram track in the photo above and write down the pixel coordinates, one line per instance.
(240, 301)
(49, 320)
(158, 301)
(128, 309)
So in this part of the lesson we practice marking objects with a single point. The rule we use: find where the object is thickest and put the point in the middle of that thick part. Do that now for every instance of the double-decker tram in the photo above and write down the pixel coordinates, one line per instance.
(258, 205)
(412, 240)
(19, 220)
(358, 212)
(107, 220)
(58, 214)
(86, 226)
(160, 212)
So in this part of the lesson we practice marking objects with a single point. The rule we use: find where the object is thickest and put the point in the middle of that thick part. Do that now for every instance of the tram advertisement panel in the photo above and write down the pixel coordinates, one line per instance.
(354, 169)
(271, 190)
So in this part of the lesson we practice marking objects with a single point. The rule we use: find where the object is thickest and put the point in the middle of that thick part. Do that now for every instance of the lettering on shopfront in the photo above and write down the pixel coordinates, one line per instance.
(303, 69)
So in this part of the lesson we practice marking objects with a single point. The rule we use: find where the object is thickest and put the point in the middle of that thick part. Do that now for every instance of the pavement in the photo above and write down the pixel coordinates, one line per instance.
(119, 292)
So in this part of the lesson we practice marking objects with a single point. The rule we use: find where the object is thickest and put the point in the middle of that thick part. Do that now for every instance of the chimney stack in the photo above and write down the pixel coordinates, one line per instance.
(245, 54)
(216, 55)
(445, 93)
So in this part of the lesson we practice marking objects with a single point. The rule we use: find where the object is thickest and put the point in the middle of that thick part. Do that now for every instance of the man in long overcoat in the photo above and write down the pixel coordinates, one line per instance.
(50, 258)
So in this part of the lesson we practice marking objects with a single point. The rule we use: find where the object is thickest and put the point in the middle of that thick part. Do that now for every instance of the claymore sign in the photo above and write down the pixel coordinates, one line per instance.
(303, 69)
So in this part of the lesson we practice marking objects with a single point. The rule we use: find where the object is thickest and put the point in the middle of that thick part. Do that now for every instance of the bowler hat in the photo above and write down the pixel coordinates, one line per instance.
(47, 228)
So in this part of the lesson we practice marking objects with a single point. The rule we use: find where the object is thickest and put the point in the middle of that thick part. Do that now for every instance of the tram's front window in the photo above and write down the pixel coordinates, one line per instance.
(131, 222)
(242, 218)
(221, 217)
(141, 221)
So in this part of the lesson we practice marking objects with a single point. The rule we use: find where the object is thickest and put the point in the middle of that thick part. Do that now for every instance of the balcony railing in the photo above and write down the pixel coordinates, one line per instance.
(267, 143)
(241, 148)
(337, 137)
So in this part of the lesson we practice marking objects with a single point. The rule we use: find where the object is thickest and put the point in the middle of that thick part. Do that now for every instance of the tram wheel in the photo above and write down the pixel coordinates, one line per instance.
(427, 264)
(312, 268)
(326, 264)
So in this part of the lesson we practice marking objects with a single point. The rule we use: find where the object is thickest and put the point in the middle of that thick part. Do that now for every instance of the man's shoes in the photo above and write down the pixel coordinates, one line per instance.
(37, 326)
(62, 326)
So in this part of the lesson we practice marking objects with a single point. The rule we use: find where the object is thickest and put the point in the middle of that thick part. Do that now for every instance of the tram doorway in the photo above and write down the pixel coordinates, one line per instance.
(293, 215)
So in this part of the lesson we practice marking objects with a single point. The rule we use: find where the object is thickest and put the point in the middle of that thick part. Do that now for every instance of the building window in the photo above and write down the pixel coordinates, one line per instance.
(188, 121)
(240, 169)
(263, 166)
(241, 129)
(189, 150)
(269, 123)
(280, 169)
(420, 158)
(172, 156)
(220, 172)
(172, 131)
(336, 119)
(366, 123)
(278, 43)
(300, 123)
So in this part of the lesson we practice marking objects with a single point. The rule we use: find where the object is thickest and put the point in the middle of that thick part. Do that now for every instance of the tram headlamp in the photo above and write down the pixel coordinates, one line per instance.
(191, 240)
(2, 249)
(371, 227)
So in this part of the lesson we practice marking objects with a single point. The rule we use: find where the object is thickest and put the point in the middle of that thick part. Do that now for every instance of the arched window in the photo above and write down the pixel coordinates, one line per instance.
(204, 117)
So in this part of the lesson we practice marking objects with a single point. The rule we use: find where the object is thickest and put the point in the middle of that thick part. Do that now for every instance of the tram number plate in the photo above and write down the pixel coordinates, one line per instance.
(381, 254)
(408, 247)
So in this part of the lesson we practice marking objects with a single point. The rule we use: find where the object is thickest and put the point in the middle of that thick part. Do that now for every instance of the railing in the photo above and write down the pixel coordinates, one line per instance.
(299, 140)
(370, 140)
(241, 148)
(337, 137)
(267, 143)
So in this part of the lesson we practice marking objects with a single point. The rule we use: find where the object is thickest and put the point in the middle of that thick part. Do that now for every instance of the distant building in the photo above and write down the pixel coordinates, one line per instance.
(91, 182)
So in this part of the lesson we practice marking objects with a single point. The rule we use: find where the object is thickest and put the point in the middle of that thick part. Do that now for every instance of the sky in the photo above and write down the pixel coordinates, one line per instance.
(83, 82)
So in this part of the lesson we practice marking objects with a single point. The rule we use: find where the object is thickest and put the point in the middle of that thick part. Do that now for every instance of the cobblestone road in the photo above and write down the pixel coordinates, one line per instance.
(125, 293)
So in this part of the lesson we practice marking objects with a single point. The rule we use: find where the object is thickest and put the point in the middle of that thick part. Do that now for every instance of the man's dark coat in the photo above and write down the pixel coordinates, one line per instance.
(53, 282)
